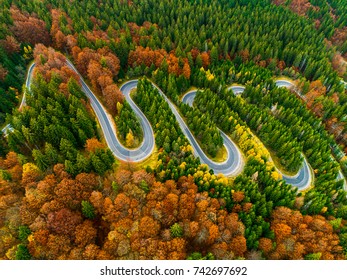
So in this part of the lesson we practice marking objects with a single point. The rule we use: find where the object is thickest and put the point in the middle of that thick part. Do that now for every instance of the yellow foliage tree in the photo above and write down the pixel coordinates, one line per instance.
(119, 107)
(130, 139)
(28, 52)
(209, 75)
(30, 167)
(276, 175)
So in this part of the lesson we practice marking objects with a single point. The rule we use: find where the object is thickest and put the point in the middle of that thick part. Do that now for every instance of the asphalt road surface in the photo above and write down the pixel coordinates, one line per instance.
(23, 102)
(341, 177)
(229, 167)
(303, 178)
(108, 128)
(289, 84)
(232, 165)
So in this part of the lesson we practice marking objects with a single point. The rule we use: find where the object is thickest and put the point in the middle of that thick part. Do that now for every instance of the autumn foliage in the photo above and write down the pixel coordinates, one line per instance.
(298, 235)
(29, 29)
(317, 90)
(131, 222)
(60, 40)
(11, 193)
(340, 36)
(3, 73)
(10, 44)
(300, 6)
(69, 212)
(205, 226)
(297, 6)
(146, 56)
(101, 67)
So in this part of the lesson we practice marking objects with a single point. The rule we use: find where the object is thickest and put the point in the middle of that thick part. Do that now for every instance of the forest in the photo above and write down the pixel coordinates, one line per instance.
(64, 194)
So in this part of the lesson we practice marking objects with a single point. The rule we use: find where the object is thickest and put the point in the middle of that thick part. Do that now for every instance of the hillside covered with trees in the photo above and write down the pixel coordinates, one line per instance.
(64, 194)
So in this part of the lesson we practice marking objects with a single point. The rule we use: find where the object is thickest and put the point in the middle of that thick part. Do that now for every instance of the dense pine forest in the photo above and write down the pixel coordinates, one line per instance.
(66, 194)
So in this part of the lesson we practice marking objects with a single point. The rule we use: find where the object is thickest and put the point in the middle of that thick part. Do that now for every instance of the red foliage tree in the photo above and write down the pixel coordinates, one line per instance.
(71, 192)
(112, 95)
(29, 29)
(61, 41)
(64, 221)
(340, 36)
(105, 81)
(94, 72)
(111, 62)
(10, 44)
(3, 73)
(85, 234)
(300, 6)
(238, 245)
(245, 55)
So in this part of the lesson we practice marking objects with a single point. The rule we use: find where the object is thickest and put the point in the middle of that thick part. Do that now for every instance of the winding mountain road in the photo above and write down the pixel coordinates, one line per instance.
(234, 163)
(341, 177)
(290, 85)
(232, 166)
(108, 127)
(303, 178)
(23, 101)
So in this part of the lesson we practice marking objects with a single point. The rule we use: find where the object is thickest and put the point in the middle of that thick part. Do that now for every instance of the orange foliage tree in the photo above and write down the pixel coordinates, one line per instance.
(60, 40)
(313, 100)
(297, 235)
(159, 221)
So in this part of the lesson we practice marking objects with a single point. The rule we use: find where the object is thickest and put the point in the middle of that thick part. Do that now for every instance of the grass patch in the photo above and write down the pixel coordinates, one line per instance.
(151, 161)
(285, 78)
(222, 155)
